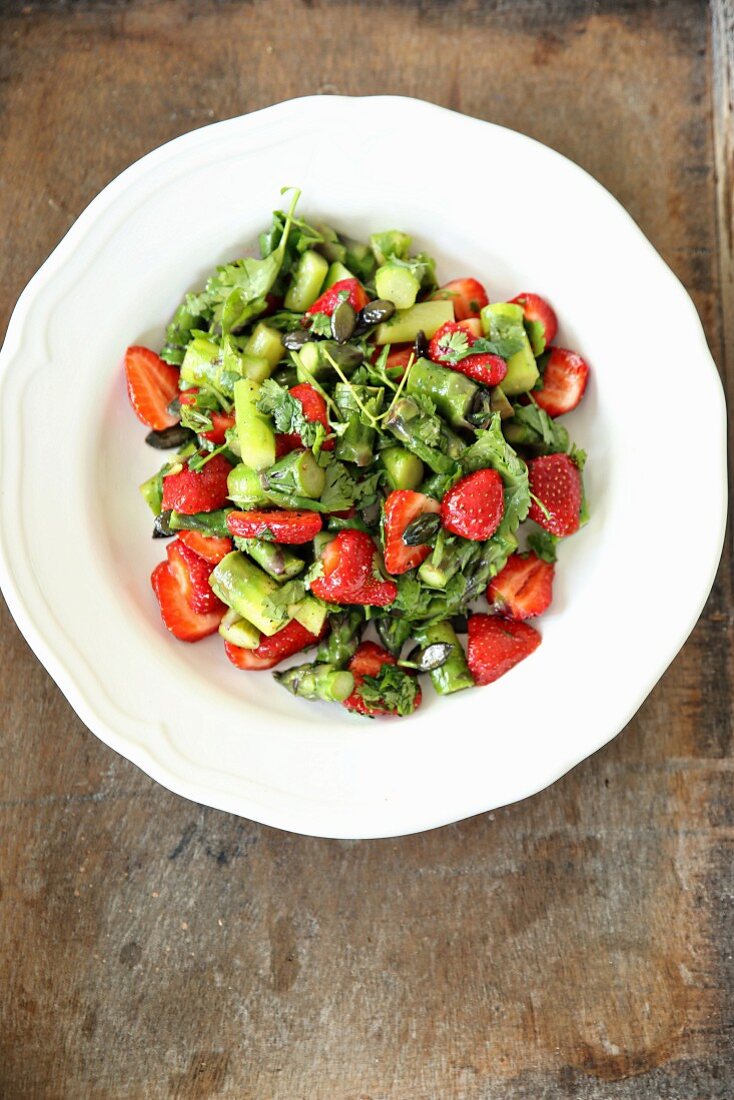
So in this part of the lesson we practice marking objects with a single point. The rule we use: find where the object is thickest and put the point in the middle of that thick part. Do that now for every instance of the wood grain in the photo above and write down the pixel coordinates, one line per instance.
(578, 944)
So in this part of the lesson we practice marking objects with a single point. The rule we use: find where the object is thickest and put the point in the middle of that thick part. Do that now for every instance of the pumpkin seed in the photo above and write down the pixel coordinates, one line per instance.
(422, 530)
(420, 347)
(294, 341)
(374, 313)
(343, 322)
(167, 438)
(162, 526)
(433, 656)
(481, 409)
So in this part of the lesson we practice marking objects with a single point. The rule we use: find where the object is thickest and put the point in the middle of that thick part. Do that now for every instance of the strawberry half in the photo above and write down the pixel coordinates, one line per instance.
(483, 367)
(314, 409)
(176, 611)
(368, 659)
(221, 421)
(151, 386)
(523, 589)
(288, 528)
(540, 319)
(496, 645)
(564, 382)
(468, 295)
(330, 299)
(474, 507)
(347, 566)
(190, 491)
(192, 576)
(286, 642)
(556, 482)
(401, 508)
(397, 359)
(209, 547)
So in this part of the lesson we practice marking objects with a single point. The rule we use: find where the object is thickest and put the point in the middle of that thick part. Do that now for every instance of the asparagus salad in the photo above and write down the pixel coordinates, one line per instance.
(356, 448)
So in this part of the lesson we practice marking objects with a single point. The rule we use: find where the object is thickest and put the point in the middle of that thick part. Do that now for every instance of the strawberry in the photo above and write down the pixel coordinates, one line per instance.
(288, 528)
(286, 642)
(204, 491)
(176, 611)
(468, 295)
(497, 645)
(349, 574)
(192, 576)
(474, 507)
(401, 508)
(524, 587)
(221, 421)
(347, 565)
(540, 319)
(209, 547)
(368, 660)
(564, 381)
(556, 482)
(398, 359)
(330, 299)
(451, 341)
(151, 386)
(314, 409)
(285, 443)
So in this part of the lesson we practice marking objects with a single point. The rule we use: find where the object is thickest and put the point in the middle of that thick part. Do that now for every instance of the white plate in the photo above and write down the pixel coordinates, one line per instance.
(76, 547)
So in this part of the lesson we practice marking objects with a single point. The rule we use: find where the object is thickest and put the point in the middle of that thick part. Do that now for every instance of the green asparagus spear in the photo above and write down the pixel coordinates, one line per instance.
(242, 586)
(342, 641)
(421, 433)
(452, 393)
(297, 473)
(402, 469)
(209, 523)
(453, 674)
(279, 562)
(357, 442)
(317, 681)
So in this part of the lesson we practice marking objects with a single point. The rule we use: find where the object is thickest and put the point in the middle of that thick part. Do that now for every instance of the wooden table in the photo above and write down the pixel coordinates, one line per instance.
(578, 944)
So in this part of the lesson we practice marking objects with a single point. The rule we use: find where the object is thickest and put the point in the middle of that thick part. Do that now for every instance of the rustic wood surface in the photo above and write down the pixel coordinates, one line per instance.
(578, 944)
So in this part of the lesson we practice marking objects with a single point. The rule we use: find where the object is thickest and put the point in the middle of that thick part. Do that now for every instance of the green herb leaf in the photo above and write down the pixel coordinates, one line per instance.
(543, 544)
(393, 689)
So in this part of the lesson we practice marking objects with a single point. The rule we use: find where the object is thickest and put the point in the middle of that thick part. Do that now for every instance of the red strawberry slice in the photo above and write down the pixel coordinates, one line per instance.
(221, 422)
(314, 409)
(176, 611)
(192, 491)
(524, 588)
(285, 443)
(192, 576)
(289, 640)
(401, 508)
(540, 318)
(398, 359)
(288, 528)
(375, 593)
(482, 367)
(330, 299)
(474, 507)
(564, 382)
(497, 645)
(556, 482)
(468, 295)
(347, 564)
(367, 661)
(209, 547)
(151, 386)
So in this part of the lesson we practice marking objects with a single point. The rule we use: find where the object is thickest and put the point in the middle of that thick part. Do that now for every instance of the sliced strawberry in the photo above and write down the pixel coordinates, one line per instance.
(285, 443)
(190, 491)
(497, 645)
(314, 409)
(468, 295)
(398, 359)
(330, 299)
(192, 576)
(524, 588)
(482, 367)
(375, 593)
(401, 508)
(288, 528)
(564, 381)
(289, 640)
(474, 507)
(209, 547)
(556, 482)
(176, 611)
(367, 661)
(540, 319)
(221, 422)
(151, 386)
(347, 564)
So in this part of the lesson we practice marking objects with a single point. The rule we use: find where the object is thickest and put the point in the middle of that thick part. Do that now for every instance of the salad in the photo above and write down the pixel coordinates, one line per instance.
(355, 449)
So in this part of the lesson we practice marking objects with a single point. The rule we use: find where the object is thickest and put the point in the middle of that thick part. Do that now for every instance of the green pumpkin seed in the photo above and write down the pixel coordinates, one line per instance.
(343, 322)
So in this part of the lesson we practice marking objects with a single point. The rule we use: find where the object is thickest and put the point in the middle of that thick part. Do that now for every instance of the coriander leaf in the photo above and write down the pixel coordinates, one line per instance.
(532, 427)
(392, 689)
(320, 324)
(506, 335)
(277, 603)
(543, 545)
(287, 413)
(453, 346)
(340, 490)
